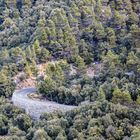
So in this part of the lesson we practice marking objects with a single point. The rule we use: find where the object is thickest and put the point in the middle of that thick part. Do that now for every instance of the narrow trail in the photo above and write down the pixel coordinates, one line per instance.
(35, 107)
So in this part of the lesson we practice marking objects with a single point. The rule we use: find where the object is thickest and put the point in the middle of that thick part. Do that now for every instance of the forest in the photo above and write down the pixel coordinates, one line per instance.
(100, 37)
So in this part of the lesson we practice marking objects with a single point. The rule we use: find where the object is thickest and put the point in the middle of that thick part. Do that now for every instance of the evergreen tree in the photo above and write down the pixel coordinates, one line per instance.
(138, 100)
(7, 86)
(33, 67)
(111, 37)
(119, 96)
(40, 134)
(80, 63)
(33, 53)
(27, 2)
(37, 49)
(44, 55)
(44, 38)
(47, 87)
(4, 56)
(28, 52)
(132, 61)
(27, 69)
(101, 95)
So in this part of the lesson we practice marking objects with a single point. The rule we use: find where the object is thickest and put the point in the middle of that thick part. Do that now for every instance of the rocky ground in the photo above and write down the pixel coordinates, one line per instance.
(26, 98)
(22, 81)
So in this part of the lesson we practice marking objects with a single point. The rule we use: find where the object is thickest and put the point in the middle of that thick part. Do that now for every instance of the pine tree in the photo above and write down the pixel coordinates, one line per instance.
(99, 31)
(10, 3)
(111, 37)
(44, 38)
(135, 33)
(28, 52)
(37, 49)
(111, 58)
(98, 7)
(132, 59)
(101, 95)
(121, 96)
(27, 2)
(3, 78)
(135, 133)
(40, 134)
(33, 53)
(44, 55)
(7, 86)
(138, 100)
(47, 87)
(116, 95)
(4, 56)
(41, 22)
(33, 67)
(28, 69)
(126, 96)
(118, 20)
(80, 62)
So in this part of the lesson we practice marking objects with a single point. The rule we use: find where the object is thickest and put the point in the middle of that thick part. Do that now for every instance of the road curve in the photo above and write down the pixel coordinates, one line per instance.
(35, 107)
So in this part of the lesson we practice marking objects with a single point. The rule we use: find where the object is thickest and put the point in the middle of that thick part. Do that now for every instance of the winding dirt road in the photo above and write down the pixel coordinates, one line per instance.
(35, 107)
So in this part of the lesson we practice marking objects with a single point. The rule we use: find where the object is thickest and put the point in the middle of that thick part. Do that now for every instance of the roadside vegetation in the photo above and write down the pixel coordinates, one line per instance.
(90, 50)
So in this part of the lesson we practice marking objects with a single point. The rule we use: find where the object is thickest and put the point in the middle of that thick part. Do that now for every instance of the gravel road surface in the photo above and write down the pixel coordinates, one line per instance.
(36, 107)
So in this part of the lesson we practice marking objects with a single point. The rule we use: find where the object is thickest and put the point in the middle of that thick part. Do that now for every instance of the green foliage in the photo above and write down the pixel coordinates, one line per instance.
(36, 46)
(23, 122)
(101, 96)
(119, 96)
(27, 69)
(100, 35)
(47, 87)
(3, 125)
(44, 55)
(80, 62)
(111, 58)
(40, 134)
(135, 133)
(7, 86)
(55, 71)
(138, 100)
(132, 59)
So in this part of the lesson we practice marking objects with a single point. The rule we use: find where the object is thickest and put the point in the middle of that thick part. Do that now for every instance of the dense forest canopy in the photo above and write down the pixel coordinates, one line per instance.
(78, 36)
